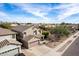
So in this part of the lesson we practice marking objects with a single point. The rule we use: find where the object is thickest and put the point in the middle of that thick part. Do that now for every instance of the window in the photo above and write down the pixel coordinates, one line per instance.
(40, 31)
(25, 33)
(35, 32)
(13, 36)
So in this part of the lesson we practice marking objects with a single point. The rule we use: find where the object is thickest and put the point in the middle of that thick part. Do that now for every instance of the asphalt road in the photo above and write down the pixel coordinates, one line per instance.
(73, 49)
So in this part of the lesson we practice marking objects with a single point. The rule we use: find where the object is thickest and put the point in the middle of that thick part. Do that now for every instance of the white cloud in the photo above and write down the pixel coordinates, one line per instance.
(39, 11)
(69, 10)
(4, 16)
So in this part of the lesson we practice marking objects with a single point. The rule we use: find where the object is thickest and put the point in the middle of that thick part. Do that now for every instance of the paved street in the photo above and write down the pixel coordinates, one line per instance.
(70, 47)
(73, 49)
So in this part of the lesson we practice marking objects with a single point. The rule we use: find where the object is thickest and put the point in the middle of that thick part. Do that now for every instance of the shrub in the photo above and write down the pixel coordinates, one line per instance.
(45, 34)
(5, 25)
(59, 31)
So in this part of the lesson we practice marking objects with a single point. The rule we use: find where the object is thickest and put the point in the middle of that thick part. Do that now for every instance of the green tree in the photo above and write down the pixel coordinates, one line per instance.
(63, 23)
(78, 26)
(5, 25)
(45, 34)
(42, 27)
(59, 31)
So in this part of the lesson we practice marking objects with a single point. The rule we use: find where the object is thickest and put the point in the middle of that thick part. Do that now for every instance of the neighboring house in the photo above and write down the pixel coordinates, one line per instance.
(7, 34)
(8, 44)
(14, 24)
(29, 33)
(50, 25)
(73, 27)
(10, 48)
(22, 24)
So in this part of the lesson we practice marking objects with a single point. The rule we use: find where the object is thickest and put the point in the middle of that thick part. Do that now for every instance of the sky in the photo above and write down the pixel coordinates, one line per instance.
(39, 12)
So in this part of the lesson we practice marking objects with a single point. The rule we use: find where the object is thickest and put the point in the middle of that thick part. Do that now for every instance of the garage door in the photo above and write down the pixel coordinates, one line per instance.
(34, 43)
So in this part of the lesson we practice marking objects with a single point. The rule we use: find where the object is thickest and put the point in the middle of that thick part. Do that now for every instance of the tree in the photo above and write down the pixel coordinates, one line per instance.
(42, 27)
(29, 23)
(78, 26)
(5, 25)
(63, 23)
(45, 34)
(59, 31)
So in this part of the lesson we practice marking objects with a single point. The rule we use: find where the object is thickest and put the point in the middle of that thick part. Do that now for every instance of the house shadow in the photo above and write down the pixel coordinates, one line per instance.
(21, 54)
(23, 47)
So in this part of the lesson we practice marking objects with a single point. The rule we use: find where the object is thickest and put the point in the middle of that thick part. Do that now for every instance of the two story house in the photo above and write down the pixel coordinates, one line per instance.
(28, 35)
(8, 44)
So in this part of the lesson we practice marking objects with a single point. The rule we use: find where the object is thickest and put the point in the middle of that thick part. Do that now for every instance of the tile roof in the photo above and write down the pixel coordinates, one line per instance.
(4, 43)
(9, 42)
(21, 28)
(6, 32)
(27, 38)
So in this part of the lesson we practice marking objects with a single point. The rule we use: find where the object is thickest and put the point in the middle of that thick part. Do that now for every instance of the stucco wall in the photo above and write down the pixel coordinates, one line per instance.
(30, 31)
(73, 49)
(10, 50)
(9, 37)
(11, 53)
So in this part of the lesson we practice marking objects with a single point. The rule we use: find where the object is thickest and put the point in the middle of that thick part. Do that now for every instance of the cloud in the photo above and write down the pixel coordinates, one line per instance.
(12, 18)
(42, 11)
(69, 10)
(39, 11)
(3, 16)
(9, 18)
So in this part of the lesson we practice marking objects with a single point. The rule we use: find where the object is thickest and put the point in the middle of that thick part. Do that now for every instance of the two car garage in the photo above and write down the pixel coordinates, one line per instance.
(30, 41)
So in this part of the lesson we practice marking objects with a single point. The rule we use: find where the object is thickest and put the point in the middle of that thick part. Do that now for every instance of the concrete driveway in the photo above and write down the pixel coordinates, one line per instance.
(42, 50)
